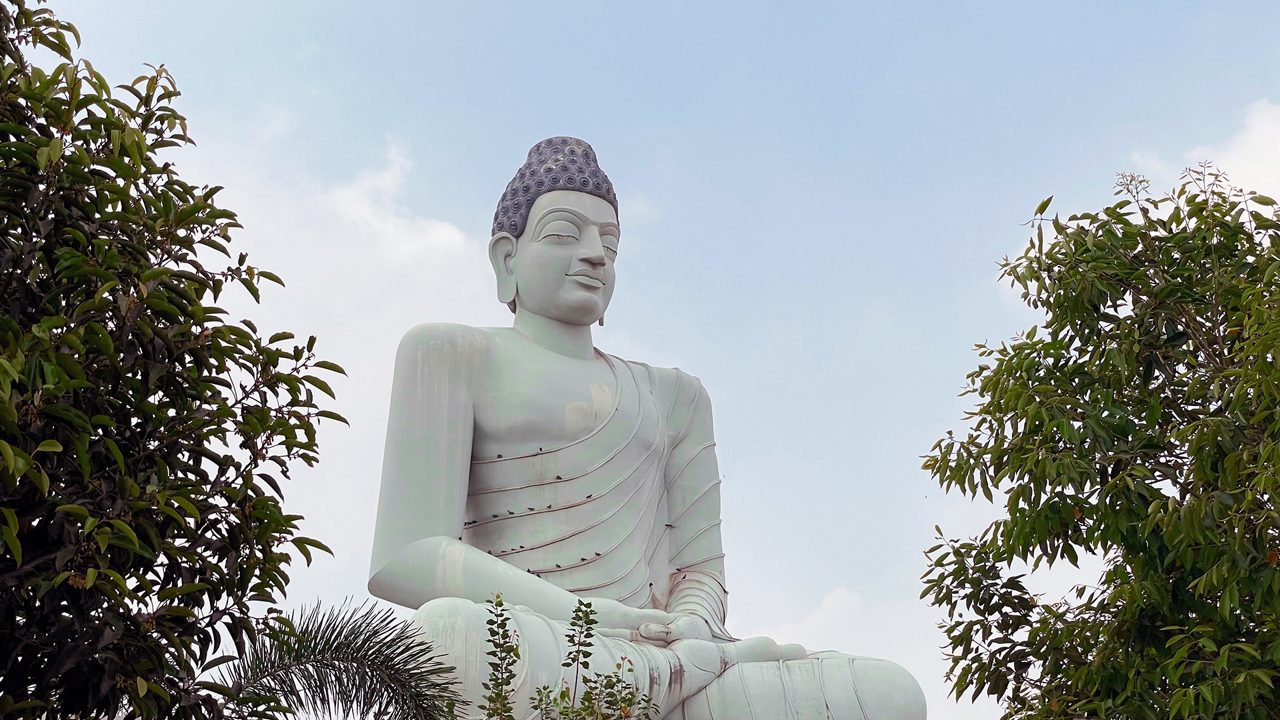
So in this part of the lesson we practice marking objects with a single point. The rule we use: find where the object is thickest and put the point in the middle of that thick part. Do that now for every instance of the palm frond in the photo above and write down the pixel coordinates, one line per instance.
(346, 662)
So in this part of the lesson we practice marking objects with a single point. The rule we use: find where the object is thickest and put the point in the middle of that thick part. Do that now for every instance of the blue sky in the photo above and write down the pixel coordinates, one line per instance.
(814, 197)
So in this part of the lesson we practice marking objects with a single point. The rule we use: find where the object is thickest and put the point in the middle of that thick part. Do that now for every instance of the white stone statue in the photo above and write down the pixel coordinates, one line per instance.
(524, 461)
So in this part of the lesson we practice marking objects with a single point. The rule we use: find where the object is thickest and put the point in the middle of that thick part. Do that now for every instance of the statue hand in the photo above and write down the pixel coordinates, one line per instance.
(756, 649)
(682, 627)
(710, 659)
(612, 615)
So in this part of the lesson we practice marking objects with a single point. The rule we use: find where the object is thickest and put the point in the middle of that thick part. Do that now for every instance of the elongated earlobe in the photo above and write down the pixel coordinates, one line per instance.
(502, 253)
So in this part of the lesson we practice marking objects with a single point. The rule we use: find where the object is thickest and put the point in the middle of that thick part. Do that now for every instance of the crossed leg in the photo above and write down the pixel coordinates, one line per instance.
(690, 680)
(829, 686)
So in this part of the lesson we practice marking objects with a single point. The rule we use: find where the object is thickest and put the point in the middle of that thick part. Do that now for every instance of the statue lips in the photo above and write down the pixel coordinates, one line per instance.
(586, 277)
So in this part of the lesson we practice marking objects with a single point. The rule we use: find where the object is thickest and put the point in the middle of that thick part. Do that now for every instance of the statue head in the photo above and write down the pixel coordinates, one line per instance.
(555, 234)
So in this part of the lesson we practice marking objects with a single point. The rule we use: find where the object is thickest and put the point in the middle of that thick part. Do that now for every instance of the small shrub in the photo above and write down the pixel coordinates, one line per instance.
(589, 697)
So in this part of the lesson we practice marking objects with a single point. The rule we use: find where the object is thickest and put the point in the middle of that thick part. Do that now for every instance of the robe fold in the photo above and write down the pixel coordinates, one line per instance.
(612, 514)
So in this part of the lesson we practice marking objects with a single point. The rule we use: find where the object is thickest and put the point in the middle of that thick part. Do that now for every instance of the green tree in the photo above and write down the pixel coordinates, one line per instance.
(143, 435)
(1139, 423)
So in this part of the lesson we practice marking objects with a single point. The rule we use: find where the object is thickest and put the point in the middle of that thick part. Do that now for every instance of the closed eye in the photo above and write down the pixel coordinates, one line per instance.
(560, 230)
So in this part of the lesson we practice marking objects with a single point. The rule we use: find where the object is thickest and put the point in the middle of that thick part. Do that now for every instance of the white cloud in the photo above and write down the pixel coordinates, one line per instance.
(352, 251)
(641, 209)
(1250, 157)
(361, 267)
(1150, 165)
(825, 626)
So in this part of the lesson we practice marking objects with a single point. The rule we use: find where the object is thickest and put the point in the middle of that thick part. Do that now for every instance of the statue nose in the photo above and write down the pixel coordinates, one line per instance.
(592, 248)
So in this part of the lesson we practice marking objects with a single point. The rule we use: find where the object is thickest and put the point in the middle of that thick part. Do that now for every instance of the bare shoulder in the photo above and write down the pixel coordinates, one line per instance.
(446, 338)
(435, 348)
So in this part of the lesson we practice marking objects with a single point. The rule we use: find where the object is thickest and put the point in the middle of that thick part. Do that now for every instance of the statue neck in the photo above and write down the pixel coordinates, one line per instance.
(559, 337)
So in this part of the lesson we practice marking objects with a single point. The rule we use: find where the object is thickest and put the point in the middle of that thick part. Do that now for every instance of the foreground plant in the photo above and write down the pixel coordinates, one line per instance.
(590, 696)
(344, 662)
(1140, 422)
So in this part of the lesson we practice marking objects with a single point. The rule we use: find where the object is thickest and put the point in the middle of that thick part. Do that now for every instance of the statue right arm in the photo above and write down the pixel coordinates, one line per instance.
(417, 550)
(418, 554)
(427, 457)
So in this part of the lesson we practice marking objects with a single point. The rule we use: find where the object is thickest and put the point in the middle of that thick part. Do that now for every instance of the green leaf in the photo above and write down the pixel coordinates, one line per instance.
(1044, 205)
(330, 366)
(68, 414)
(74, 510)
(11, 542)
(41, 480)
(220, 660)
(116, 454)
(330, 415)
(252, 288)
(318, 383)
(301, 542)
(218, 688)
(271, 276)
(127, 531)
(49, 446)
(173, 592)
(1272, 269)
(187, 506)
(154, 273)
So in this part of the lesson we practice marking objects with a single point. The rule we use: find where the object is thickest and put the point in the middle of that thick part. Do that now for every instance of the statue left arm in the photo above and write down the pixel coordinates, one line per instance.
(693, 510)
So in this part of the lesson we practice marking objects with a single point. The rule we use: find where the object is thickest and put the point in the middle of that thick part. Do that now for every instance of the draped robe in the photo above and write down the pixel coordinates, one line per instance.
(615, 513)
(631, 512)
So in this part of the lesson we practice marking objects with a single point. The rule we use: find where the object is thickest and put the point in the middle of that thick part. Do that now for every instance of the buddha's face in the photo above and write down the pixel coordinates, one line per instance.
(563, 261)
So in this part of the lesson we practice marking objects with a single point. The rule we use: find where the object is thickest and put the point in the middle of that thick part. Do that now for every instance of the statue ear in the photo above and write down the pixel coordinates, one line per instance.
(502, 253)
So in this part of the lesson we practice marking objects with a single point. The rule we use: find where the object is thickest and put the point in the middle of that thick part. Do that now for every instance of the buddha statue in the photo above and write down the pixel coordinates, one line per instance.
(526, 462)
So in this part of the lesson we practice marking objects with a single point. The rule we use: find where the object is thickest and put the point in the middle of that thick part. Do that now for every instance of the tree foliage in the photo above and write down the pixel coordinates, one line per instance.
(1139, 423)
(143, 434)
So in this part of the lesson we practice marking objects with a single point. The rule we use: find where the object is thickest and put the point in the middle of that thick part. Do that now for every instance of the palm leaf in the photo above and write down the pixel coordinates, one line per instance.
(346, 662)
